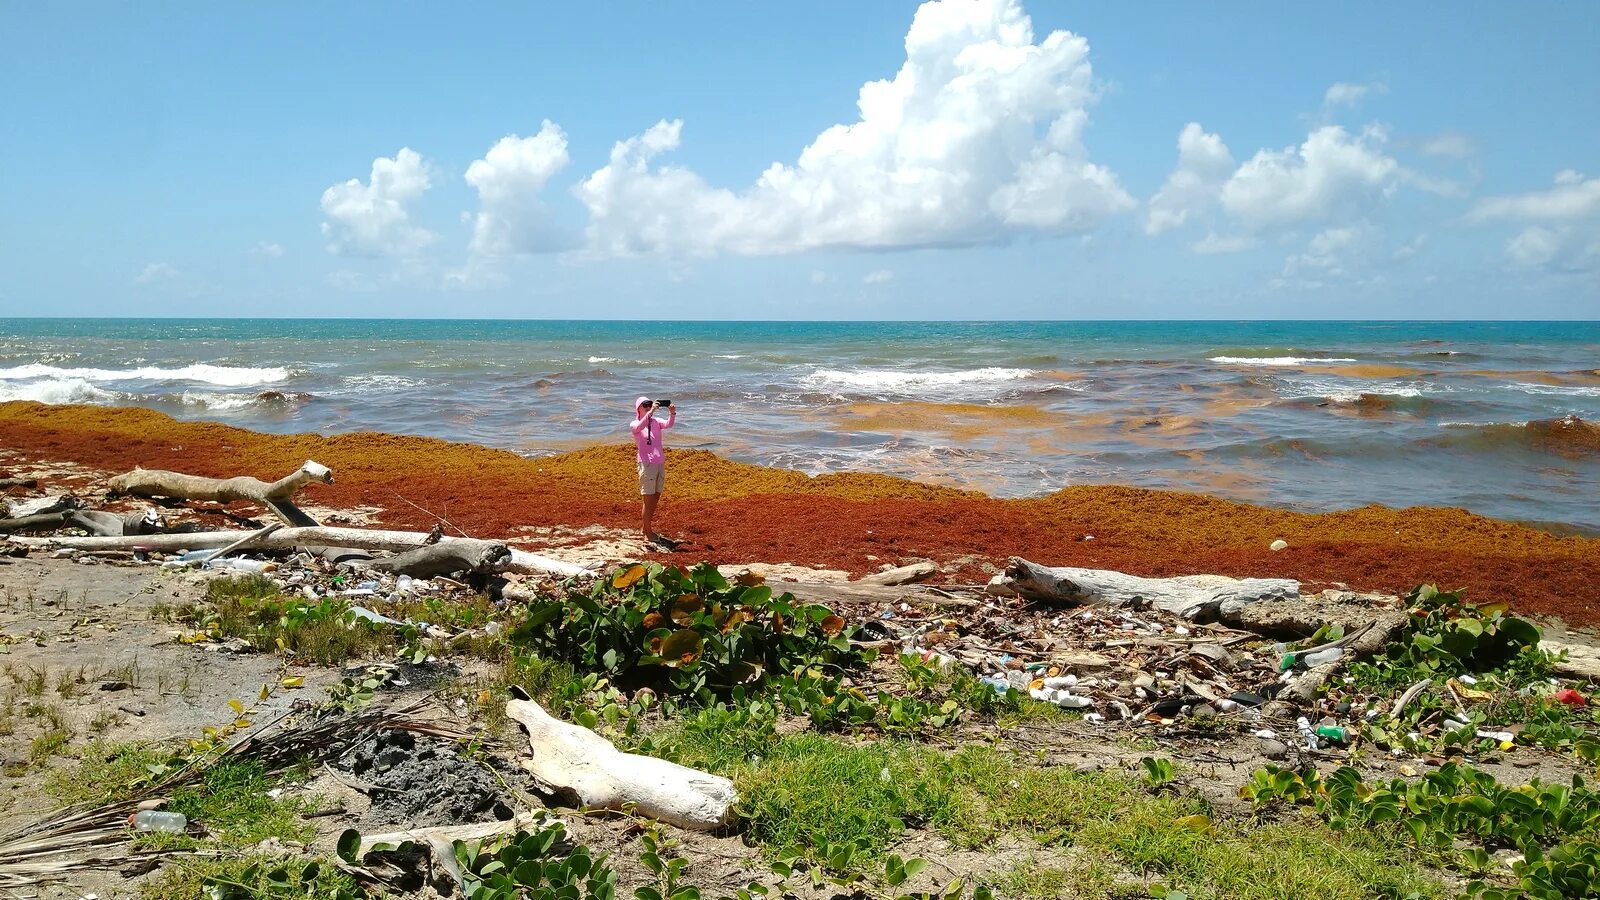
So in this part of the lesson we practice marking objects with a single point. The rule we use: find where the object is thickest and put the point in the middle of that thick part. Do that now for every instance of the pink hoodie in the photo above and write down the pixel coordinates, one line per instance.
(647, 430)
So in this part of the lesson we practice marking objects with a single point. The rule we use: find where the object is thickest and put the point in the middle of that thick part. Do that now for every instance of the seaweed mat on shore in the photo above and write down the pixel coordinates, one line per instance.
(739, 513)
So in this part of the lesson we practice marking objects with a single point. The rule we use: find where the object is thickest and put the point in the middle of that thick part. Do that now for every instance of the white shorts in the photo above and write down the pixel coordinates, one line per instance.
(652, 478)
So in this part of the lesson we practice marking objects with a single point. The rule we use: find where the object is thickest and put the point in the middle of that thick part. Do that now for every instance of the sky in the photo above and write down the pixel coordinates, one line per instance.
(958, 159)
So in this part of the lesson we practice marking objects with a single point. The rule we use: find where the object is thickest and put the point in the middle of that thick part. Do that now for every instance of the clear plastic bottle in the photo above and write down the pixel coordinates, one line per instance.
(1322, 657)
(159, 820)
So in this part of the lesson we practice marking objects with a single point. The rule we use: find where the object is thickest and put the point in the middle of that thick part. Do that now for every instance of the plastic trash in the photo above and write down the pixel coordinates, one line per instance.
(1307, 733)
(368, 585)
(236, 564)
(1064, 681)
(1279, 544)
(1333, 733)
(361, 612)
(1000, 685)
(1571, 697)
(159, 820)
(1323, 657)
(195, 556)
(1501, 736)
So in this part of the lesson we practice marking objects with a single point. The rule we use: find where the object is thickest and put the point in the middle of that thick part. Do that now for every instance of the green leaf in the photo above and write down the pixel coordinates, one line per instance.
(349, 845)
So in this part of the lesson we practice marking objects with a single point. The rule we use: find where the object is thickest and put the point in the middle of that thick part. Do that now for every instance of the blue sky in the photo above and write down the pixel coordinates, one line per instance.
(713, 161)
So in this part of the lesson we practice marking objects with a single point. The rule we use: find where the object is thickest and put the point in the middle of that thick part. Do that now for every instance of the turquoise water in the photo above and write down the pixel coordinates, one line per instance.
(1315, 415)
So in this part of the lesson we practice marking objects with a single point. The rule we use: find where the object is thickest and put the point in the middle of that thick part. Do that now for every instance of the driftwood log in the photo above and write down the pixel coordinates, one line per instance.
(277, 495)
(7, 483)
(107, 524)
(447, 558)
(38, 506)
(521, 562)
(40, 522)
(1188, 596)
(573, 758)
(439, 843)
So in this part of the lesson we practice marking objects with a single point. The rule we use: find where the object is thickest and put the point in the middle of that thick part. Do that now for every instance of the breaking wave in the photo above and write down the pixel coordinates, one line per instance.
(1278, 360)
(223, 376)
(58, 391)
(900, 381)
(1566, 436)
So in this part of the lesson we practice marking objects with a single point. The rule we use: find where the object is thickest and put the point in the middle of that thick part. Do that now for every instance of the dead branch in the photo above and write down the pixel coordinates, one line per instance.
(277, 495)
(1189, 596)
(446, 558)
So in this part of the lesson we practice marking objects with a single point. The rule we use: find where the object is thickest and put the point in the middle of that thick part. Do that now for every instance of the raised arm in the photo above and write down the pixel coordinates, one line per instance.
(672, 416)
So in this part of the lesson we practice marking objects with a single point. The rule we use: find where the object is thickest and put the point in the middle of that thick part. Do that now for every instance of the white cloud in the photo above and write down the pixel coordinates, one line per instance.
(1448, 145)
(1572, 197)
(1332, 174)
(1328, 253)
(1204, 163)
(1344, 93)
(371, 219)
(976, 139)
(1213, 244)
(156, 273)
(879, 276)
(1562, 230)
(512, 218)
(820, 277)
(1410, 248)
(267, 250)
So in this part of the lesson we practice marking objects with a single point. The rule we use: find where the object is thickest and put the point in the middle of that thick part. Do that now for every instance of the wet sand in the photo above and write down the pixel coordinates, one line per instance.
(736, 513)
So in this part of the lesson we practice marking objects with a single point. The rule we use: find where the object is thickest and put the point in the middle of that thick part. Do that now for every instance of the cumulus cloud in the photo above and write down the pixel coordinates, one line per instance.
(1215, 244)
(1204, 163)
(1561, 224)
(156, 273)
(977, 138)
(1327, 252)
(878, 276)
(1332, 172)
(512, 218)
(267, 250)
(1344, 93)
(1572, 197)
(372, 219)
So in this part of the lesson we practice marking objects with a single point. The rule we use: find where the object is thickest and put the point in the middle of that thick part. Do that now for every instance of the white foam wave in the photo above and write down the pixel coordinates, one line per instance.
(1277, 360)
(58, 390)
(224, 376)
(359, 384)
(1555, 390)
(901, 381)
(220, 402)
(596, 360)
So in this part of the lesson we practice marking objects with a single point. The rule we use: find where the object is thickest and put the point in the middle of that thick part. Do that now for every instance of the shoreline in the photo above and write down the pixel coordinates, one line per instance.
(736, 513)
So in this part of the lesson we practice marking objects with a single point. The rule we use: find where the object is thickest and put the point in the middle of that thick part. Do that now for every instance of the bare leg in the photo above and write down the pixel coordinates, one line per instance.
(650, 501)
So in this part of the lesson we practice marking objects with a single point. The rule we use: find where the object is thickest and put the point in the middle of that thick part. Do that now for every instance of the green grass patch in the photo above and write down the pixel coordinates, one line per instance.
(241, 877)
(107, 773)
(808, 794)
(250, 607)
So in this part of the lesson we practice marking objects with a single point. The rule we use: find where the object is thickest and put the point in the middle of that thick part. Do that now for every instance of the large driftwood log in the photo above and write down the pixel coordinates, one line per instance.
(1189, 596)
(39, 506)
(522, 562)
(447, 558)
(40, 522)
(575, 758)
(277, 495)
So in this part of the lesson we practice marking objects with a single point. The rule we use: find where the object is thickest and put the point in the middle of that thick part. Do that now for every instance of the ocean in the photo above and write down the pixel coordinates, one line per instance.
(1497, 417)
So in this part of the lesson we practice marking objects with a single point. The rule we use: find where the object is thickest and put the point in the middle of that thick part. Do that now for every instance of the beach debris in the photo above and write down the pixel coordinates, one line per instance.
(447, 558)
(909, 574)
(1187, 596)
(277, 496)
(1571, 697)
(373, 856)
(40, 506)
(1279, 544)
(573, 758)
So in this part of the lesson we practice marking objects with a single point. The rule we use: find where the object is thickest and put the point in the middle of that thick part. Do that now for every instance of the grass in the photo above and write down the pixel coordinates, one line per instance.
(247, 877)
(231, 800)
(251, 608)
(806, 791)
(48, 744)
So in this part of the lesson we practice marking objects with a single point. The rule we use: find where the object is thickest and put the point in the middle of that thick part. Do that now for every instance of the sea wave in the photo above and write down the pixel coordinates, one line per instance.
(1278, 360)
(596, 360)
(1555, 390)
(907, 382)
(58, 391)
(224, 376)
(219, 401)
(1567, 436)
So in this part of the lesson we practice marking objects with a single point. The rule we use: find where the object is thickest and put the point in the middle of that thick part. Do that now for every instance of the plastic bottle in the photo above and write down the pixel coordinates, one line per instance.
(1064, 681)
(241, 565)
(159, 820)
(1310, 736)
(194, 556)
(1323, 657)
(1331, 732)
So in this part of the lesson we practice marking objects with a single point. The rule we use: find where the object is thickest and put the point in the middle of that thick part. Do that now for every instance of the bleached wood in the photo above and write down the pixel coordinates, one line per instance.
(1189, 596)
(603, 777)
(522, 562)
(160, 483)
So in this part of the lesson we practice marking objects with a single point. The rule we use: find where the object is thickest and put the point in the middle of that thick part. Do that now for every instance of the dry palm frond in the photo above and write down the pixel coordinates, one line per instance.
(76, 838)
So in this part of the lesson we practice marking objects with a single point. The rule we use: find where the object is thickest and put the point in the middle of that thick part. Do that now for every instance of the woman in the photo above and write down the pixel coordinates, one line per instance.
(652, 457)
